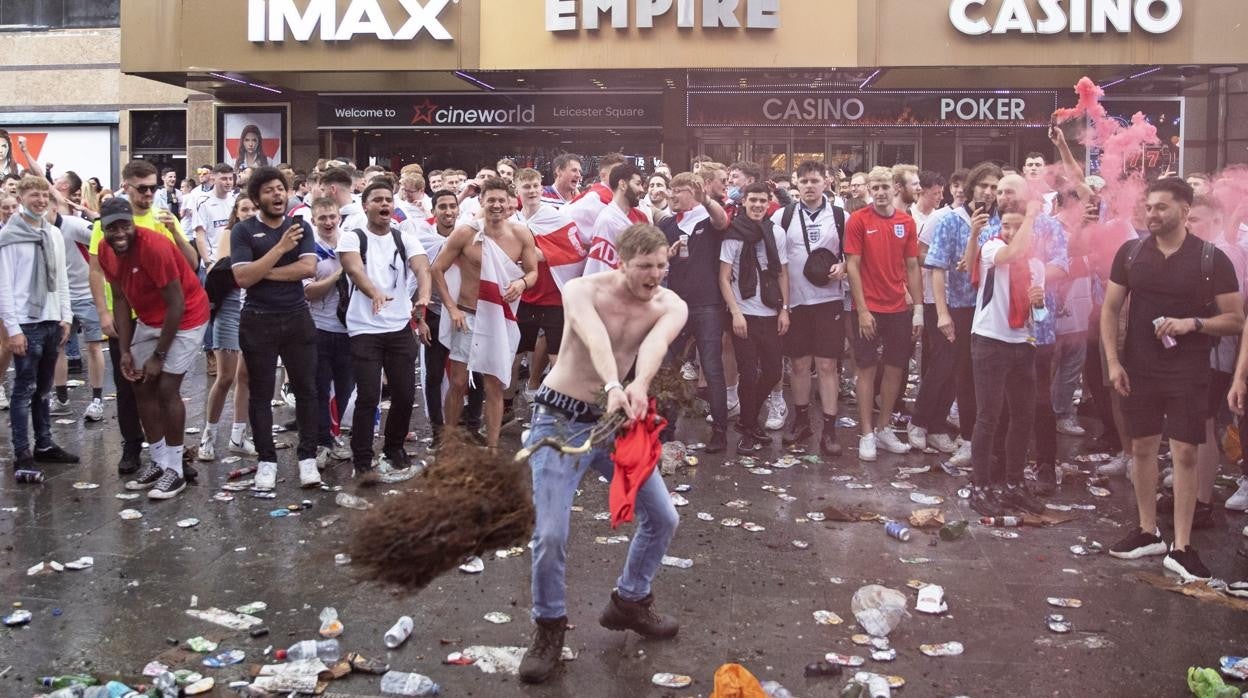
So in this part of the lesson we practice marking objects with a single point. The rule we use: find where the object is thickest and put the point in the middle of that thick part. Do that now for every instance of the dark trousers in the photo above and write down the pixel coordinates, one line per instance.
(333, 368)
(759, 365)
(292, 336)
(32, 382)
(435, 372)
(947, 374)
(1095, 379)
(127, 405)
(394, 353)
(1044, 420)
(1004, 373)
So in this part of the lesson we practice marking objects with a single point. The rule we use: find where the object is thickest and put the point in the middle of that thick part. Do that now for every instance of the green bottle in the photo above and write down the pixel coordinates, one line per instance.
(67, 681)
(953, 530)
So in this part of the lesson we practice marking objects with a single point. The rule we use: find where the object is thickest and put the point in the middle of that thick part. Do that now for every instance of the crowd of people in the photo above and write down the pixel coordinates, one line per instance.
(974, 315)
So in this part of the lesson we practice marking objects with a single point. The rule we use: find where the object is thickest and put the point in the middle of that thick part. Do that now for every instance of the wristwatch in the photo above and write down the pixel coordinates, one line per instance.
(160, 354)
(1200, 324)
(785, 308)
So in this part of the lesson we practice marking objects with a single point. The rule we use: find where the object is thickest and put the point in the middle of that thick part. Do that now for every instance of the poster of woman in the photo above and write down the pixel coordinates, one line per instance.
(251, 136)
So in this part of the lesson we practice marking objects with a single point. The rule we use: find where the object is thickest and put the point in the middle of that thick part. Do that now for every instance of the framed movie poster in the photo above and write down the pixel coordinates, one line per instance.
(252, 135)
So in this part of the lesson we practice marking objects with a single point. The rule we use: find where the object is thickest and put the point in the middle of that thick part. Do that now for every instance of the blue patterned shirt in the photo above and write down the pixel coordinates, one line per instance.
(949, 239)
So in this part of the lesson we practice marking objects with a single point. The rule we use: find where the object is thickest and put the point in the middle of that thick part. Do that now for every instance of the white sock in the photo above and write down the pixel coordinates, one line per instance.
(732, 393)
(157, 451)
(173, 459)
(211, 427)
(236, 432)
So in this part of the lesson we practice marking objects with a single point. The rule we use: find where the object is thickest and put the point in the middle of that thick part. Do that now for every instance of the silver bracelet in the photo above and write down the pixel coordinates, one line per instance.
(612, 386)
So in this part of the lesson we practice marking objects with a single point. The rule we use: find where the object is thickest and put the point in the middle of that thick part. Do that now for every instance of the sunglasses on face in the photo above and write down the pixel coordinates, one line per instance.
(145, 188)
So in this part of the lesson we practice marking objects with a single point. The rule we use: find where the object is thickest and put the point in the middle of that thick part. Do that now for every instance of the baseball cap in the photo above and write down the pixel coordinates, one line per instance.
(114, 210)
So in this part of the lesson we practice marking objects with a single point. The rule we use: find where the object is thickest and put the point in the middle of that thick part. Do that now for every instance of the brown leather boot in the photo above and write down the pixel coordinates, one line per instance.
(638, 616)
(543, 655)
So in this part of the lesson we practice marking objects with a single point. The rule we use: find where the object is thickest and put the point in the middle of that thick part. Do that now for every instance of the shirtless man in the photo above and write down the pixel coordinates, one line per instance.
(463, 248)
(616, 321)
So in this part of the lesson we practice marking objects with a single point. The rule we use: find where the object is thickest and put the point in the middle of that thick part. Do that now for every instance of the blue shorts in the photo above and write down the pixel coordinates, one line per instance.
(87, 318)
(225, 324)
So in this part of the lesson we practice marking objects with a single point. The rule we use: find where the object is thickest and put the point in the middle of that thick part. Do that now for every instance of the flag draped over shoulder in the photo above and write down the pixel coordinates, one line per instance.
(559, 239)
(495, 335)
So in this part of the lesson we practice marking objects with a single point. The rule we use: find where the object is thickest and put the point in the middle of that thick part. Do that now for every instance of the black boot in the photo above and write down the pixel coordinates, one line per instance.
(718, 441)
(827, 440)
(131, 459)
(543, 655)
(1046, 480)
(799, 430)
(638, 616)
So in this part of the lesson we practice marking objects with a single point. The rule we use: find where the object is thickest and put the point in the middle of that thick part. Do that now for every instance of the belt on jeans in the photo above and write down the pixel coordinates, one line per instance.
(587, 418)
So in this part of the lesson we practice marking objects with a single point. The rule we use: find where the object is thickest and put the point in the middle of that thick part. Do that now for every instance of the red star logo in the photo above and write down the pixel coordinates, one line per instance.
(424, 112)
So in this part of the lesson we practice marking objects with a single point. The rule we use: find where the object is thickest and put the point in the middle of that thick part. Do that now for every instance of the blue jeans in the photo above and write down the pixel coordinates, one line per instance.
(31, 384)
(555, 479)
(705, 327)
(333, 368)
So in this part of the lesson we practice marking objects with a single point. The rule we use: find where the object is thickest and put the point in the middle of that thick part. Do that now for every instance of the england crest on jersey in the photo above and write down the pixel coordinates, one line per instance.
(899, 230)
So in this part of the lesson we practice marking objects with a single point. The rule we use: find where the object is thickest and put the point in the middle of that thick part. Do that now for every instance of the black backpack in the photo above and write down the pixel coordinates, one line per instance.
(344, 285)
(1208, 250)
(819, 261)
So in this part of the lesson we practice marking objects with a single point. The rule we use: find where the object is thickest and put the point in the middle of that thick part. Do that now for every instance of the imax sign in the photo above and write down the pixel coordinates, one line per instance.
(270, 20)
(1054, 17)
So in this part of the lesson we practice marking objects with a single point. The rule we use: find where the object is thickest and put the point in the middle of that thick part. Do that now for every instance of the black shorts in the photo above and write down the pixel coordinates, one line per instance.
(1219, 387)
(1177, 411)
(546, 318)
(816, 330)
(892, 344)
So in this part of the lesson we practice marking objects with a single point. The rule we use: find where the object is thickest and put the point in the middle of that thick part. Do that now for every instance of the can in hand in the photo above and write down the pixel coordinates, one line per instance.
(1166, 340)
(684, 246)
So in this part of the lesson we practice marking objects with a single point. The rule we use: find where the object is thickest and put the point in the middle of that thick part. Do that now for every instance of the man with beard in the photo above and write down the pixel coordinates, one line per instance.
(627, 187)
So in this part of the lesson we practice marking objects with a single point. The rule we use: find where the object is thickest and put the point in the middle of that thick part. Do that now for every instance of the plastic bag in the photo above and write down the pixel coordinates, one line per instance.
(878, 609)
(1231, 446)
(1205, 683)
(735, 681)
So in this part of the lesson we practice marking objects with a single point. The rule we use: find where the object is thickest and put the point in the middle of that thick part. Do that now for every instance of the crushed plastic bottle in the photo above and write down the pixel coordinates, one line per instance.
(399, 633)
(325, 650)
(351, 501)
(773, 689)
(398, 683)
(68, 680)
(166, 684)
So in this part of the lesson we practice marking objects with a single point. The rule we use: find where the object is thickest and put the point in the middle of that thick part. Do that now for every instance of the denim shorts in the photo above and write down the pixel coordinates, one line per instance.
(225, 324)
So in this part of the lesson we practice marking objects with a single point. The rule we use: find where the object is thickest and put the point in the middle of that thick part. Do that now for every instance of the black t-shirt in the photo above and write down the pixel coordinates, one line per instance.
(695, 278)
(1169, 287)
(252, 239)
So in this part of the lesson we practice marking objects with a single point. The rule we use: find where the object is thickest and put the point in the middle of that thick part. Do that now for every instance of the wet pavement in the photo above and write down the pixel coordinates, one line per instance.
(749, 597)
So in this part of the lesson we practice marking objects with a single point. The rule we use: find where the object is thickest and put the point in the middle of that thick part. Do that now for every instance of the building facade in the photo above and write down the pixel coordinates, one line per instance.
(941, 83)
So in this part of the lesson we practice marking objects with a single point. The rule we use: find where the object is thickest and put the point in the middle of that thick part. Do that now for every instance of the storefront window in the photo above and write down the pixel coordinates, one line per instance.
(848, 157)
(61, 14)
(771, 157)
(809, 149)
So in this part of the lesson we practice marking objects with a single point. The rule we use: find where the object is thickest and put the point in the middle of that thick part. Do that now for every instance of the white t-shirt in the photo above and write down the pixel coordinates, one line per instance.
(927, 228)
(325, 311)
(390, 275)
(820, 232)
(730, 252)
(213, 216)
(77, 231)
(432, 241)
(469, 208)
(189, 204)
(414, 211)
(992, 316)
(352, 216)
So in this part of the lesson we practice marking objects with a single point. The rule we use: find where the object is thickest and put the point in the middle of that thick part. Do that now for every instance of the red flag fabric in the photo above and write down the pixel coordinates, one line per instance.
(637, 452)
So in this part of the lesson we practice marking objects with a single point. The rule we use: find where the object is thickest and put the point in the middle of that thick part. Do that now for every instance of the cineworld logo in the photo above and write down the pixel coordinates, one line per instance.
(437, 115)
(269, 20)
(1083, 17)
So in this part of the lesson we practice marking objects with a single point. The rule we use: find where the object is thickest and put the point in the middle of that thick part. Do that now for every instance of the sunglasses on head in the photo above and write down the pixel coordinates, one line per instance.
(145, 188)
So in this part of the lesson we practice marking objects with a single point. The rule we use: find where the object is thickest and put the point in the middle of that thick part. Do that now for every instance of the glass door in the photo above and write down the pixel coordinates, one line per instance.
(847, 156)
(972, 151)
(723, 151)
(771, 156)
(891, 152)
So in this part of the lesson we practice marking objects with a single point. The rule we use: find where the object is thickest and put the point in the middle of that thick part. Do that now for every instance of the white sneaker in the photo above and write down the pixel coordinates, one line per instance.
(888, 439)
(207, 452)
(1239, 500)
(309, 474)
(1116, 466)
(322, 457)
(246, 447)
(917, 436)
(942, 442)
(954, 419)
(4, 399)
(95, 411)
(777, 411)
(1167, 478)
(734, 407)
(1070, 427)
(688, 371)
(961, 458)
(288, 396)
(266, 476)
(56, 408)
(341, 449)
(866, 447)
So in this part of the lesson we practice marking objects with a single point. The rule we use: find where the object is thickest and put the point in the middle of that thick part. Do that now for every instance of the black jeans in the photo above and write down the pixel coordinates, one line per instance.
(947, 374)
(1004, 373)
(1044, 421)
(436, 356)
(127, 405)
(333, 367)
(1095, 380)
(759, 365)
(395, 353)
(263, 338)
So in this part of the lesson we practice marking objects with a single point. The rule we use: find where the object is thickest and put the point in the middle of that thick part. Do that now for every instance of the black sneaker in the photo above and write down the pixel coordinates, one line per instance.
(1137, 545)
(130, 462)
(718, 442)
(827, 441)
(798, 431)
(1186, 563)
(1204, 516)
(985, 502)
(146, 479)
(749, 443)
(168, 486)
(24, 461)
(55, 454)
(1046, 481)
(1017, 497)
